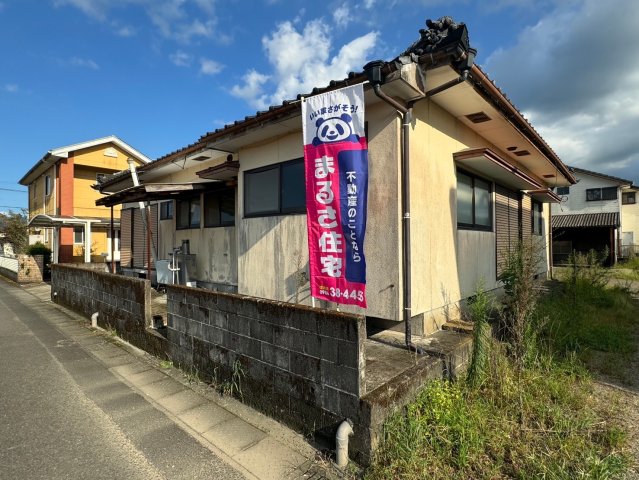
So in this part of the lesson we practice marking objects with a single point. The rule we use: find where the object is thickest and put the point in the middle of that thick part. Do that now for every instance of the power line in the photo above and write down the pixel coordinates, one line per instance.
(13, 190)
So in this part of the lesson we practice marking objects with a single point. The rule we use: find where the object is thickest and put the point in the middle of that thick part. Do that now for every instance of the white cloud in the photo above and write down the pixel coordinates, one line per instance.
(252, 90)
(175, 19)
(210, 67)
(302, 61)
(342, 16)
(181, 59)
(125, 31)
(11, 88)
(81, 62)
(579, 87)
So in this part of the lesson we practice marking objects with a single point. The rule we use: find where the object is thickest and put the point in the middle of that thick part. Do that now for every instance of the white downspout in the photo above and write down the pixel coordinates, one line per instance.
(344, 431)
(87, 241)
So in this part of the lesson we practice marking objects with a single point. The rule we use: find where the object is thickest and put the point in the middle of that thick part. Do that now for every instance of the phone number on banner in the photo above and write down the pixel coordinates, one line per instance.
(337, 293)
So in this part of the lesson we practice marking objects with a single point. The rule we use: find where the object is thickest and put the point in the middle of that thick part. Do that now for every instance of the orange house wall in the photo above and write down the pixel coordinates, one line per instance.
(65, 207)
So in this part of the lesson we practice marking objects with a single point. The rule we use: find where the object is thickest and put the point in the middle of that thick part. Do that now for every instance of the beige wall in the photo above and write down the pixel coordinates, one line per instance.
(273, 251)
(215, 249)
(448, 264)
(630, 220)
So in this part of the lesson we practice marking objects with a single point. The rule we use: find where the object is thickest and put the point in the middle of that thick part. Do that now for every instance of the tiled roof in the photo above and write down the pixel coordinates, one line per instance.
(602, 175)
(584, 220)
(428, 59)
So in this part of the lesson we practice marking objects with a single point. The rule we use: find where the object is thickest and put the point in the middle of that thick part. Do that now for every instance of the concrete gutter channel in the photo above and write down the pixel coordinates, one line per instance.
(255, 444)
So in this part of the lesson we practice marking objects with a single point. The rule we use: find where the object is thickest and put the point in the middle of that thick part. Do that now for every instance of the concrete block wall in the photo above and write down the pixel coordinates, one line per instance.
(123, 303)
(30, 268)
(304, 366)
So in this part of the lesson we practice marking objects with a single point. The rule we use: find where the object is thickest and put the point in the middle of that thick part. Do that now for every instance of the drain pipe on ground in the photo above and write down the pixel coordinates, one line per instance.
(344, 431)
(94, 320)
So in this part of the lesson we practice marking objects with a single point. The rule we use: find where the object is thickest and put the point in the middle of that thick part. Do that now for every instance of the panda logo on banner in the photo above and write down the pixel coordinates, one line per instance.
(335, 129)
(336, 169)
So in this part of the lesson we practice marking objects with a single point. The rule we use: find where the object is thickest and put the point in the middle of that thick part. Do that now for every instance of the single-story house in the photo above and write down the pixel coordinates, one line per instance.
(457, 176)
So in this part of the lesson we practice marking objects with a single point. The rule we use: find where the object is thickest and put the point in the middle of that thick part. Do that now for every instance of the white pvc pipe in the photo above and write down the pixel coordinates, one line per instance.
(94, 320)
(344, 431)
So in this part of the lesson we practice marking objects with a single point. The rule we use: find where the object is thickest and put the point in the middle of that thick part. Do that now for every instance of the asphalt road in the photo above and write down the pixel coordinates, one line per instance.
(63, 414)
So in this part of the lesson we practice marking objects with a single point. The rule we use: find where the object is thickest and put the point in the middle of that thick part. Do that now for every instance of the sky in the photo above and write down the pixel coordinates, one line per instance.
(161, 73)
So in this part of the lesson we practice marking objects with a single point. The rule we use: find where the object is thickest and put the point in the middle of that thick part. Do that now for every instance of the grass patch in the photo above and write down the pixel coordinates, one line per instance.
(586, 318)
(539, 422)
(536, 419)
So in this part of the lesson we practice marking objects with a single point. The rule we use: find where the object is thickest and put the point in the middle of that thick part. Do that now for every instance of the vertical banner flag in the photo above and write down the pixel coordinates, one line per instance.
(336, 168)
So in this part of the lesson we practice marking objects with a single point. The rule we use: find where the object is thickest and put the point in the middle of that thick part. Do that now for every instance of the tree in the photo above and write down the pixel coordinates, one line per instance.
(13, 227)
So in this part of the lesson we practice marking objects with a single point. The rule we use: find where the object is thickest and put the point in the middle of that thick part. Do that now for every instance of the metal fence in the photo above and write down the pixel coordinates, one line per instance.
(9, 263)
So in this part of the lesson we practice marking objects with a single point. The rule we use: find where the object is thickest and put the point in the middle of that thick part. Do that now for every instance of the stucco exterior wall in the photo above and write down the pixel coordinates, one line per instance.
(448, 263)
(84, 197)
(273, 251)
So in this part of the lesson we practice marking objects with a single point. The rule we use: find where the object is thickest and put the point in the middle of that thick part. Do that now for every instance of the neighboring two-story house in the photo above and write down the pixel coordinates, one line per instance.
(62, 210)
(599, 213)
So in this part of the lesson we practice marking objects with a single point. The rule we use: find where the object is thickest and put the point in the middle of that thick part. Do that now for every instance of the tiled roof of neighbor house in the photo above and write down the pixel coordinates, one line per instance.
(427, 54)
(602, 175)
(584, 220)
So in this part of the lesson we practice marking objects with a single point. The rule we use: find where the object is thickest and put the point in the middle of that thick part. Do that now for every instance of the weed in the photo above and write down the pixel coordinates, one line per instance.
(166, 364)
(536, 418)
(111, 331)
(234, 385)
(193, 375)
(454, 430)
(479, 309)
(518, 276)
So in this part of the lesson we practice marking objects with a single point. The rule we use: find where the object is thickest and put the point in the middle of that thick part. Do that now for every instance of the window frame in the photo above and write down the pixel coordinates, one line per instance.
(47, 185)
(75, 231)
(296, 210)
(540, 223)
(590, 192)
(219, 194)
(475, 225)
(563, 190)
(626, 195)
(190, 200)
(166, 213)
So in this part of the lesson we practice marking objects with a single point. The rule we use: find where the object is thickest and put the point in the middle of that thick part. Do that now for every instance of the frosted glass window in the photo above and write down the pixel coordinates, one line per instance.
(482, 203)
(464, 199)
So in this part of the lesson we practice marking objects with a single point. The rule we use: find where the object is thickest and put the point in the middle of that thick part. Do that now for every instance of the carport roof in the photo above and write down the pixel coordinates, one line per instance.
(42, 220)
(586, 220)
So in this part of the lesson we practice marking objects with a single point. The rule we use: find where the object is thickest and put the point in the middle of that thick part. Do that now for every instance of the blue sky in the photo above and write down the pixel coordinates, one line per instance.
(160, 73)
